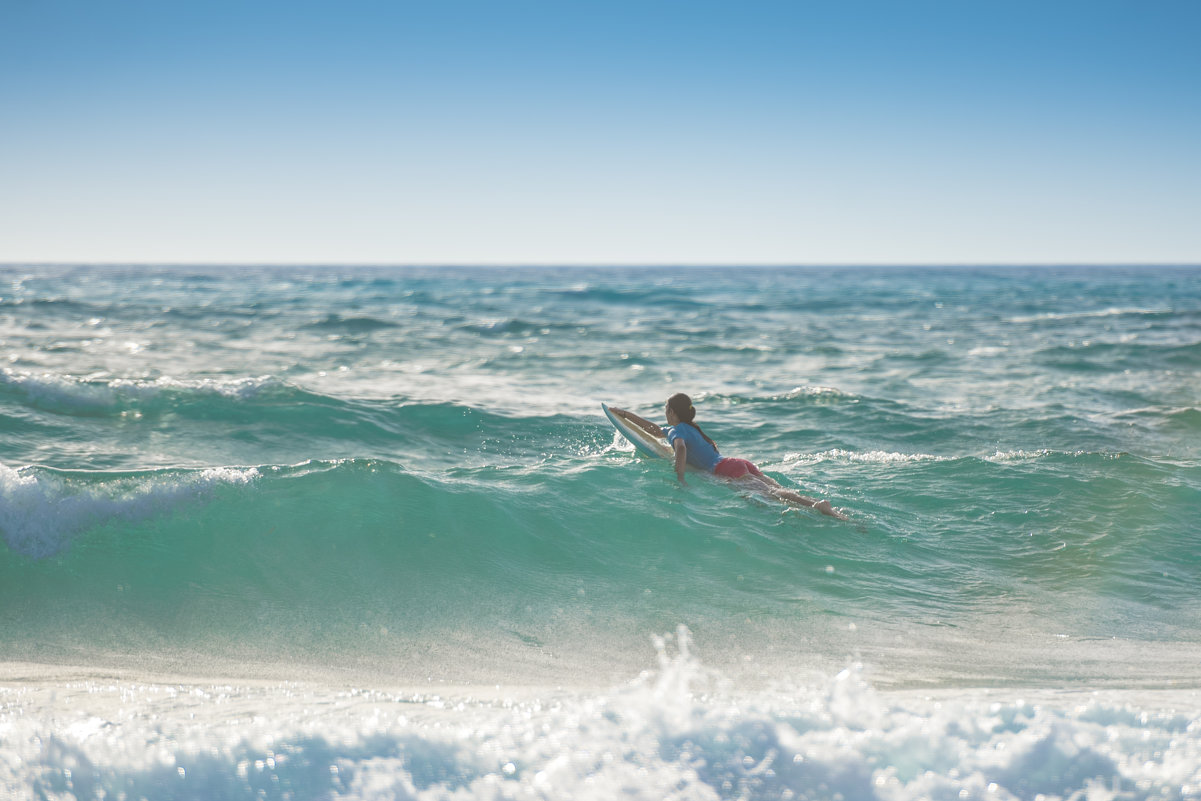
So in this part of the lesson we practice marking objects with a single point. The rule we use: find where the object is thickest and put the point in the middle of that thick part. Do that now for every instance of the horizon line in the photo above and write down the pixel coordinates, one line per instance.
(609, 265)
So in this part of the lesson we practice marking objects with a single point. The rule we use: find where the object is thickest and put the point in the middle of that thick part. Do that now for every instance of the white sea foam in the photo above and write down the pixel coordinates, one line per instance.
(1021, 455)
(859, 457)
(1018, 455)
(236, 388)
(71, 394)
(47, 389)
(41, 511)
(678, 732)
(1084, 315)
(815, 392)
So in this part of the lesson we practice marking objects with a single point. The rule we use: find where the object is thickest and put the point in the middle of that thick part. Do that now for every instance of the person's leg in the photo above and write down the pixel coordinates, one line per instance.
(745, 473)
(769, 486)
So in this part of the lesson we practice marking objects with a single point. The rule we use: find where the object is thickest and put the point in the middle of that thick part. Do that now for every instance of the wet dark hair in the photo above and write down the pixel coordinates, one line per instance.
(681, 404)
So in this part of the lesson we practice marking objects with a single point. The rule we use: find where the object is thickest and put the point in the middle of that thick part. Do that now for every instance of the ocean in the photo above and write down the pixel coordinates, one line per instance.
(365, 533)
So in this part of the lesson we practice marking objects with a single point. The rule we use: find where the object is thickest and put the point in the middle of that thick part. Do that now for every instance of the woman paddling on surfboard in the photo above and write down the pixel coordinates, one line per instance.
(693, 447)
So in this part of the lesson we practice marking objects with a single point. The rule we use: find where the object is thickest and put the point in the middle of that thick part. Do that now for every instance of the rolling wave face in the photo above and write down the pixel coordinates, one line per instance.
(361, 558)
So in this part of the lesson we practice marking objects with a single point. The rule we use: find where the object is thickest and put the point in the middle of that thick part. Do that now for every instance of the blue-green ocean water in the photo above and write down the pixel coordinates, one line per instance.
(405, 474)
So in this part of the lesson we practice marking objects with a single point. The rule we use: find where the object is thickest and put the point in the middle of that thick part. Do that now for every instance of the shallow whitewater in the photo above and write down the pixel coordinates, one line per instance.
(677, 731)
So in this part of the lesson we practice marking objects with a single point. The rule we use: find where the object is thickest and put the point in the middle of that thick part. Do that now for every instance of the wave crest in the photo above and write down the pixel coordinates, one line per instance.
(64, 394)
(42, 510)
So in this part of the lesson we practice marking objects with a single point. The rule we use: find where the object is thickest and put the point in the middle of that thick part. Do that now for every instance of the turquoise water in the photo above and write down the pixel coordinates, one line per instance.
(403, 477)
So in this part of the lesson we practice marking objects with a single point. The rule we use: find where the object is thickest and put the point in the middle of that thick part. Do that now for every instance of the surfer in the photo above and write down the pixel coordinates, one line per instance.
(693, 447)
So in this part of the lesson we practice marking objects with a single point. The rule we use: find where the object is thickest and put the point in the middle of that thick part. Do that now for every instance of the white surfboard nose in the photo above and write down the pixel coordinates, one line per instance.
(644, 443)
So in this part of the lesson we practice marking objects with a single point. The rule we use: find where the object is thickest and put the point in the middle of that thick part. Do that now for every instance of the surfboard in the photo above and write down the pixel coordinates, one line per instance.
(644, 443)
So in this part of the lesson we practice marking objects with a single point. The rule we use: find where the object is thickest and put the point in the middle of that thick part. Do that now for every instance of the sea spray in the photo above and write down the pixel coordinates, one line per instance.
(680, 730)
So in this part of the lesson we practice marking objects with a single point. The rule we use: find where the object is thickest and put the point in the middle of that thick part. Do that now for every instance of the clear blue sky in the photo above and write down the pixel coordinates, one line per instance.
(494, 132)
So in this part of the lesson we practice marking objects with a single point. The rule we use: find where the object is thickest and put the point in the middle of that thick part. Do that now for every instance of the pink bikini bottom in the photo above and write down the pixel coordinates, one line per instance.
(735, 468)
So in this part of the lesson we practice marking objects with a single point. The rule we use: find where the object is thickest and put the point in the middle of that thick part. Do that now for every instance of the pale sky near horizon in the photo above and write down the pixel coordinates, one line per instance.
(492, 132)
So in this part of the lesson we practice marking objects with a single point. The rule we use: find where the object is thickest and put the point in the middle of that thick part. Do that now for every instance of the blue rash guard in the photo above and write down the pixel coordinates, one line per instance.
(701, 454)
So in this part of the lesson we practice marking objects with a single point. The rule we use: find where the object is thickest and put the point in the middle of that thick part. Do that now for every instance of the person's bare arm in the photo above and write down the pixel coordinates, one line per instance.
(681, 449)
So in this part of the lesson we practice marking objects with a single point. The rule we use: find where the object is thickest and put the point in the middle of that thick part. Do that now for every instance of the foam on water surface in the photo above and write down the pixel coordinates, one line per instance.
(678, 731)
